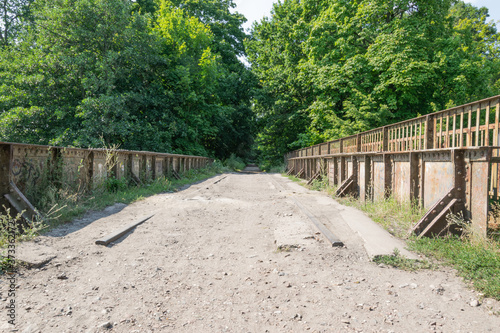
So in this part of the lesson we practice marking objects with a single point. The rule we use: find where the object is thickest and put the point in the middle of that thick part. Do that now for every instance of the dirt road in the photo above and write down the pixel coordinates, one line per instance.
(208, 262)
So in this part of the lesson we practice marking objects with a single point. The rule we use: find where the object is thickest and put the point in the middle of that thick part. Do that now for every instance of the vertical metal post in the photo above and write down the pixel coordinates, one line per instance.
(153, 165)
(355, 168)
(90, 170)
(459, 177)
(368, 178)
(6, 153)
(414, 177)
(343, 169)
(385, 143)
(143, 169)
(335, 170)
(429, 132)
(387, 175)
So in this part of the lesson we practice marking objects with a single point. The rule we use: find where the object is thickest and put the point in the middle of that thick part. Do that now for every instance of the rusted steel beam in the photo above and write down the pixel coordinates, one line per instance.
(346, 187)
(414, 177)
(5, 171)
(315, 176)
(300, 173)
(21, 204)
(434, 221)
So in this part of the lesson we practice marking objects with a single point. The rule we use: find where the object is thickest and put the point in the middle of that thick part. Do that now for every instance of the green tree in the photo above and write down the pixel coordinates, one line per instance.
(235, 82)
(82, 71)
(366, 63)
(92, 69)
(14, 14)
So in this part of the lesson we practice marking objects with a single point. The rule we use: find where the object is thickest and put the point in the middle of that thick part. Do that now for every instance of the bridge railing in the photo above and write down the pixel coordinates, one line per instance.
(448, 158)
(25, 167)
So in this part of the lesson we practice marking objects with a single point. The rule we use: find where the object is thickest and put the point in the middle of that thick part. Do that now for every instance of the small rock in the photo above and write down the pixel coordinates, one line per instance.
(413, 285)
(474, 303)
(404, 285)
(62, 276)
(106, 325)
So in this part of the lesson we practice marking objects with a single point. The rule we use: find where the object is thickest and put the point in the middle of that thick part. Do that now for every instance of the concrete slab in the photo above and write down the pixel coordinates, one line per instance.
(377, 241)
(352, 226)
(293, 233)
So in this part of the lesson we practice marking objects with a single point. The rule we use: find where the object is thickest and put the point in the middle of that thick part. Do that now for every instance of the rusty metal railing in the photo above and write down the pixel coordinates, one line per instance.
(448, 158)
(24, 166)
(471, 125)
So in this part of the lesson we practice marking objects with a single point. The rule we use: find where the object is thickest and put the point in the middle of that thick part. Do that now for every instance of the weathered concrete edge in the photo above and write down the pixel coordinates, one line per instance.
(376, 240)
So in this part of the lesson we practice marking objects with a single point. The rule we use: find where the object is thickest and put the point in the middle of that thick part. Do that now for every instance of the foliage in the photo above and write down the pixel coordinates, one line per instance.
(329, 69)
(22, 232)
(113, 185)
(396, 260)
(14, 15)
(235, 163)
(146, 75)
(477, 263)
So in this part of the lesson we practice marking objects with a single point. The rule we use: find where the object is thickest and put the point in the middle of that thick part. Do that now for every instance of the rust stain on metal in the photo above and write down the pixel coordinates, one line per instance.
(438, 181)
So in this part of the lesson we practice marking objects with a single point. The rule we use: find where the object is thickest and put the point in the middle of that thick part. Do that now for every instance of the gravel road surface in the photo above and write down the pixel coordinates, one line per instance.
(208, 261)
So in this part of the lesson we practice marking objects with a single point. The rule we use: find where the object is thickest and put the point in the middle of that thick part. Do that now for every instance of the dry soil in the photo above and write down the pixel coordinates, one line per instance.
(208, 262)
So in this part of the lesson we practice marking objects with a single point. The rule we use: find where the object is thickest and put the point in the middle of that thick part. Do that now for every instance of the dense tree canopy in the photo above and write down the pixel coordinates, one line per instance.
(146, 75)
(14, 15)
(333, 68)
(167, 75)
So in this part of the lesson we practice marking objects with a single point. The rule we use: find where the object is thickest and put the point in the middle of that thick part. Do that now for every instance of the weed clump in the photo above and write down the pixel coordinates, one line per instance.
(396, 260)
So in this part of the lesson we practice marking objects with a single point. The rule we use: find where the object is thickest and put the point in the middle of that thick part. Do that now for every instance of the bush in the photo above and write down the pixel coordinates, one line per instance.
(114, 185)
(235, 163)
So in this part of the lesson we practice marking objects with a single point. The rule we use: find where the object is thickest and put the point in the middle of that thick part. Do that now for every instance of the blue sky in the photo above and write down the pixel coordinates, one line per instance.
(254, 10)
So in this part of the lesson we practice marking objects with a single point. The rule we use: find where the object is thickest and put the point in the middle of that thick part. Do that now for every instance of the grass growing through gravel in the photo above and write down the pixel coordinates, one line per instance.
(395, 217)
(477, 262)
(63, 205)
(396, 260)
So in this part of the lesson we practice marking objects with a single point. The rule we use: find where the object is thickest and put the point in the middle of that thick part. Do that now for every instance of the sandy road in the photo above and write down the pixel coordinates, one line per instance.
(207, 262)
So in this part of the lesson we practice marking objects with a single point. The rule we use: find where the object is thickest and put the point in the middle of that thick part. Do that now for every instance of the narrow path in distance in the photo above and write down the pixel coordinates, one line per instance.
(207, 261)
